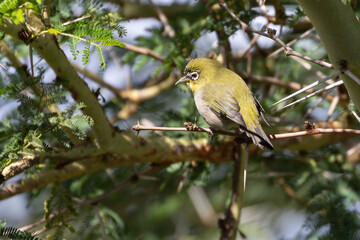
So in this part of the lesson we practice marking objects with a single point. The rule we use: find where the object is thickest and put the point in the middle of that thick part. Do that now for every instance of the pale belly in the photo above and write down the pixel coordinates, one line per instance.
(214, 120)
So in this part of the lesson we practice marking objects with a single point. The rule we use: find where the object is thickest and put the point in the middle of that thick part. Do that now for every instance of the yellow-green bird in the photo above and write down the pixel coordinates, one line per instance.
(224, 100)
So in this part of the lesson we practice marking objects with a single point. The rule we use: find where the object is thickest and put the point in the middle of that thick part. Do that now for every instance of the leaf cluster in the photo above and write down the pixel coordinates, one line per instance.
(97, 28)
(33, 129)
(14, 233)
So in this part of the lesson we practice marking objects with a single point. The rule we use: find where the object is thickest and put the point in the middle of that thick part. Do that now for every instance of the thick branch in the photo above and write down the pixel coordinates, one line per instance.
(140, 95)
(48, 48)
(229, 224)
(131, 149)
(6, 52)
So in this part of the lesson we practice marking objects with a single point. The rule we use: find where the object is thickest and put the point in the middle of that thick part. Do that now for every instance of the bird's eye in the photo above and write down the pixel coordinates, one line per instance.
(194, 75)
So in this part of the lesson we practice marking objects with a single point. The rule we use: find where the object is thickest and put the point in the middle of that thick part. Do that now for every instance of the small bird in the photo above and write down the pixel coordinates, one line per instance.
(224, 100)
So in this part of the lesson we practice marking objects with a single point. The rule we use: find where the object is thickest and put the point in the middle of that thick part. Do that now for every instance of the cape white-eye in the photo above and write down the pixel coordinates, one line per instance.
(224, 100)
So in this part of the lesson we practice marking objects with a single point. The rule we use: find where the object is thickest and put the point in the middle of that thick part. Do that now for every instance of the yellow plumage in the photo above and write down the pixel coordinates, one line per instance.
(224, 100)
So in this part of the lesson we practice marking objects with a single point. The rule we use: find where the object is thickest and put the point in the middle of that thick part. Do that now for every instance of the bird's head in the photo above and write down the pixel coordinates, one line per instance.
(200, 71)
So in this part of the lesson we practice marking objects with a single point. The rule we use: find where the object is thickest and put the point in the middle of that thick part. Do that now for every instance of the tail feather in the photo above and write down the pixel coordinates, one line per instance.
(259, 137)
(264, 140)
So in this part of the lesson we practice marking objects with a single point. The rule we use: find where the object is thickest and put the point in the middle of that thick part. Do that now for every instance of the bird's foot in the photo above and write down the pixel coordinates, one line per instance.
(212, 134)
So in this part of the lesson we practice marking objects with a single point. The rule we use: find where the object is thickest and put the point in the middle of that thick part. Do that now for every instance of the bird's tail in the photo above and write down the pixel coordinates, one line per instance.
(259, 137)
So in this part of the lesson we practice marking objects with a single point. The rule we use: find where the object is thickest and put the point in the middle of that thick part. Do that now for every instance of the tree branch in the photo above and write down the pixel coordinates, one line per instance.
(229, 225)
(130, 149)
(168, 30)
(134, 95)
(139, 128)
(271, 34)
(144, 51)
(48, 49)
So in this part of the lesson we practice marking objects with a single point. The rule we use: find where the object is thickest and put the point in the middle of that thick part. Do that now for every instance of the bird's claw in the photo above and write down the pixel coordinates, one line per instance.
(212, 134)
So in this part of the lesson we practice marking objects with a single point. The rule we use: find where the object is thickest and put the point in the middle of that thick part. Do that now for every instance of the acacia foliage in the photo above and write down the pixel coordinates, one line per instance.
(320, 183)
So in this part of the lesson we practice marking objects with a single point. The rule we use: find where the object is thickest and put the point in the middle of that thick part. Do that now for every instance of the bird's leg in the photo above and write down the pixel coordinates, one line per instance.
(247, 142)
(212, 134)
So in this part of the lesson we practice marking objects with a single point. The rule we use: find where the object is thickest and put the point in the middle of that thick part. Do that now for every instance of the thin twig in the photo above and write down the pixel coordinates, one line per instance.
(270, 175)
(333, 105)
(2, 66)
(100, 221)
(263, 7)
(94, 77)
(290, 192)
(144, 51)
(271, 34)
(134, 95)
(252, 43)
(168, 30)
(302, 36)
(114, 55)
(315, 131)
(76, 20)
(315, 105)
(139, 128)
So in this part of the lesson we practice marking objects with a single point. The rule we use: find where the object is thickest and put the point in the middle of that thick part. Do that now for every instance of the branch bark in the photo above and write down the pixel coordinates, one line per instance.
(130, 149)
(48, 49)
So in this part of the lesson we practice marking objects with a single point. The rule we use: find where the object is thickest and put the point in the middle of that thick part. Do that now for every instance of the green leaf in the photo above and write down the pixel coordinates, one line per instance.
(86, 53)
(112, 42)
(101, 58)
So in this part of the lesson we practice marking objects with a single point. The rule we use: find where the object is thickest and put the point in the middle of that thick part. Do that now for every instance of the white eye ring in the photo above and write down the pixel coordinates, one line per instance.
(194, 75)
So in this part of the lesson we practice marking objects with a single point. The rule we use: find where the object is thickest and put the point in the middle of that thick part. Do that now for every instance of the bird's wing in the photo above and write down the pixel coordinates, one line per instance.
(222, 103)
(261, 110)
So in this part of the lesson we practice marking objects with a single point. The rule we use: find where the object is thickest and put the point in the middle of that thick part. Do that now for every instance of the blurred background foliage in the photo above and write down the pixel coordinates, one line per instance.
(308, 188)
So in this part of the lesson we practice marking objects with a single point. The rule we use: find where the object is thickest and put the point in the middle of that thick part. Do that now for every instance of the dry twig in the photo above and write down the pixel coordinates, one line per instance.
(139, 128)
(272, 35)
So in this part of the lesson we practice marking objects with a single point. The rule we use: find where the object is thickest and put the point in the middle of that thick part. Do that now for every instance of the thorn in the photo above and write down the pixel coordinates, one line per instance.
(336, 73)
(331, 86)
(352, 76)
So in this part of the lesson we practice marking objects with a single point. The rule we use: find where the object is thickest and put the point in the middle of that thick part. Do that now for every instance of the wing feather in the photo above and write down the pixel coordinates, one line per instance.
(222, 102)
